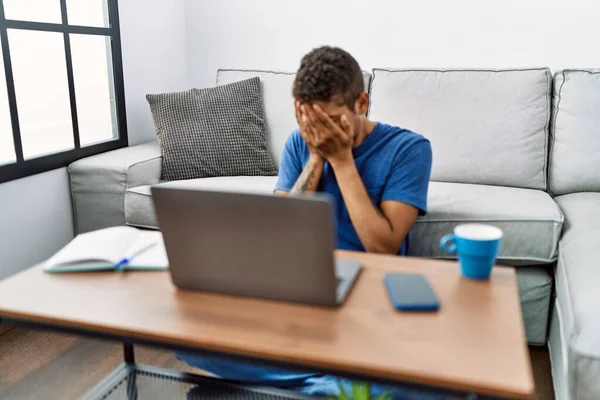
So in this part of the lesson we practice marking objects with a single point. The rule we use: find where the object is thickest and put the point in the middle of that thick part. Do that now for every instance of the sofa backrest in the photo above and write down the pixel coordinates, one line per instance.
(278, 102)
(485, 126)
(575, 133)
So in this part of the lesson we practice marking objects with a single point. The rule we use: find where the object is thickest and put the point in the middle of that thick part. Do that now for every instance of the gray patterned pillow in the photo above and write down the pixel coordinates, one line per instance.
(212, 132)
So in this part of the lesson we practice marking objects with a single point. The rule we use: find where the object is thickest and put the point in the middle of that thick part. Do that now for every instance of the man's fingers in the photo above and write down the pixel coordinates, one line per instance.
(348, 130)
(323, 118)
(310, 114)
(304, 115)
(299, 112)
(315, 125)
(346, 125)
(307, 130)
(320, 114)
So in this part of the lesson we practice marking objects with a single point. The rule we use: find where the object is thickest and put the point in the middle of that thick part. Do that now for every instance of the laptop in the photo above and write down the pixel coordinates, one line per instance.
(273, 247)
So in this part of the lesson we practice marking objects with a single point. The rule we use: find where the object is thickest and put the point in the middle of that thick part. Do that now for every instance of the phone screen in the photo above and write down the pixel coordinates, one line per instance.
(411, 292)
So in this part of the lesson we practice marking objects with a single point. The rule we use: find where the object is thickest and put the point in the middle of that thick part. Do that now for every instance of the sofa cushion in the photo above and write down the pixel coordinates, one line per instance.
(535, 292)
(575, 139)
(99, 183)
(575, 334)
(485, 126)
(278, 102)
(139, 209)
(212, 132)
(530, 219)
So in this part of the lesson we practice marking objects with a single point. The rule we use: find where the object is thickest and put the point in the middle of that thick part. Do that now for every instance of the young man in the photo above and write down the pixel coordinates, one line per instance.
(378, 175)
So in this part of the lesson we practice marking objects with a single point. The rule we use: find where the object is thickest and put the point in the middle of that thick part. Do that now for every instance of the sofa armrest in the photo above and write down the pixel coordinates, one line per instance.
(98, 183)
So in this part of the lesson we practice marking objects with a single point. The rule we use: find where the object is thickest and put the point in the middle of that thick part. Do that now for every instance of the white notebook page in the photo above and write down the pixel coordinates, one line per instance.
(154, 256)
(108, 245)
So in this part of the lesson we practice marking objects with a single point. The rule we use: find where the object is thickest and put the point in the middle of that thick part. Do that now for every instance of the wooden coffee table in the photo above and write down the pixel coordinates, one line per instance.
(474, 344)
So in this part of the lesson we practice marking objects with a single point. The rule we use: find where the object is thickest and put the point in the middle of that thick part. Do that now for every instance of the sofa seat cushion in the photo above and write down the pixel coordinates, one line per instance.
(577, 294)
(139, 209)
(530, 219)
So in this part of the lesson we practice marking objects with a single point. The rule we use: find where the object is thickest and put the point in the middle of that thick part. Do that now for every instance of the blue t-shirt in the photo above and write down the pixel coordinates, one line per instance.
(394, 164)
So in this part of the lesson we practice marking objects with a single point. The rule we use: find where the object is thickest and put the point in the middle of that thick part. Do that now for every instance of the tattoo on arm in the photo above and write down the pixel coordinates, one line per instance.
(308, 179)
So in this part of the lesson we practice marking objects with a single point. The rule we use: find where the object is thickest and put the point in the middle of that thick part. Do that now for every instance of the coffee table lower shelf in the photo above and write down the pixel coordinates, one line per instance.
(142, 382)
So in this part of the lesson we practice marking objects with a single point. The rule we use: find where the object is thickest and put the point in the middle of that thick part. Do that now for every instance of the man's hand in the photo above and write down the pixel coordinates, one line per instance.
(315, 157)
(308, 180)
(323, 136)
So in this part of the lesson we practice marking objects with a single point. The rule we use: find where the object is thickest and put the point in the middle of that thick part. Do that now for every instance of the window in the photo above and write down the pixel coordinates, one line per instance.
(61, 83)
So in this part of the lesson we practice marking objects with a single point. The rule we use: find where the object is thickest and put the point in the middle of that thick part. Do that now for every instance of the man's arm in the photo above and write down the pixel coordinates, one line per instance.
(379, 230)
(310, 176)
(309, 179)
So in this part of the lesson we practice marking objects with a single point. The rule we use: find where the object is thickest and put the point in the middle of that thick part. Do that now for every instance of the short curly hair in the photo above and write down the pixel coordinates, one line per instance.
(326, 72)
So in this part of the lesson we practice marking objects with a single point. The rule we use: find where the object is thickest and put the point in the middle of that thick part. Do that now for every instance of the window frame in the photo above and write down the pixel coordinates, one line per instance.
(21, 167)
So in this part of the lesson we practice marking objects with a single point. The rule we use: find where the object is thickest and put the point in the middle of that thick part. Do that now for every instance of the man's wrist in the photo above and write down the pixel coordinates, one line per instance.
(316, 160)
(341, 161)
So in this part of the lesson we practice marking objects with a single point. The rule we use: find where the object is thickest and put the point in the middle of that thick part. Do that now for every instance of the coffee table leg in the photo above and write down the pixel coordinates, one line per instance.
(128, 353)
(129, 357)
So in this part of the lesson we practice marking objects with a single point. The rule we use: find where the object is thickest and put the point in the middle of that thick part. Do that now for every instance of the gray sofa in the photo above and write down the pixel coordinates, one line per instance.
(505, 142)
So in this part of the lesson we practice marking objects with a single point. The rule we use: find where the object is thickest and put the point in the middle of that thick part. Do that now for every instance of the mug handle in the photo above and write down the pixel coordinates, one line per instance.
(447, 243)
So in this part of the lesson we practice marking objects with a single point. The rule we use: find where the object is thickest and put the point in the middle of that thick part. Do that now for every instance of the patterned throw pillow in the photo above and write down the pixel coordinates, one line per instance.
(212, 132)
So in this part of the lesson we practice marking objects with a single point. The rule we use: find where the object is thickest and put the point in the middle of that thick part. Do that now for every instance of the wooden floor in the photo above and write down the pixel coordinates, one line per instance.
(44, 365)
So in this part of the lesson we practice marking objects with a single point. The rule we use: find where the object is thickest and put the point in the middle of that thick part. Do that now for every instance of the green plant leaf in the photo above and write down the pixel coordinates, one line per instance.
(343, 395)
(361, 391)
(383, 396)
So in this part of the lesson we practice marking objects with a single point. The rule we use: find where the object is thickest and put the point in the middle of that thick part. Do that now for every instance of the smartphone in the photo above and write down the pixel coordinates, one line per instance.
(411, 292)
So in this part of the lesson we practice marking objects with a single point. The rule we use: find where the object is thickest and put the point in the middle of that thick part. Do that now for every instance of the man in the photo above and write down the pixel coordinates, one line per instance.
(377, 174)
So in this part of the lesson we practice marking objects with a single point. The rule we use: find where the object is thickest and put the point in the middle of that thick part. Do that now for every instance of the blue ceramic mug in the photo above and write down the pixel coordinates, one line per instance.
(476, 246)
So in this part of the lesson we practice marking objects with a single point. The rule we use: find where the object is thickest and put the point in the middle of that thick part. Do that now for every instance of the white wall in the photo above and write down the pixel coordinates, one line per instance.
(36, 219)
(274, 34)
(154, 57)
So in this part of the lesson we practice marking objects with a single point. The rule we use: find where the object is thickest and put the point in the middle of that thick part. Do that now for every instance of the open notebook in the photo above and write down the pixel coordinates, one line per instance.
(120, 248)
